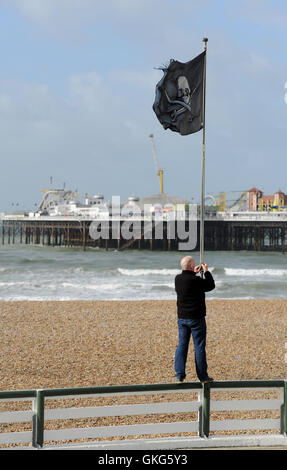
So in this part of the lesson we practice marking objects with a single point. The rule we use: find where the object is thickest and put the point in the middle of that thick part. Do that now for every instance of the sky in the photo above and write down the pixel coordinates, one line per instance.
(77, 85)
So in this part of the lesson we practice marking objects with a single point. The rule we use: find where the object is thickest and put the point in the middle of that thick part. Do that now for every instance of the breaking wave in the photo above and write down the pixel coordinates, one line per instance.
(255, 272)
(148, 272)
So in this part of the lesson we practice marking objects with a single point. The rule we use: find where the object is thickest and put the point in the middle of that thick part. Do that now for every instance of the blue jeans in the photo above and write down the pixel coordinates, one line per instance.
(196, 328)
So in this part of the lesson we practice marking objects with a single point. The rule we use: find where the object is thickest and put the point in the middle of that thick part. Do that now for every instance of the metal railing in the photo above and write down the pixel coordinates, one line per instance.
(203, 406)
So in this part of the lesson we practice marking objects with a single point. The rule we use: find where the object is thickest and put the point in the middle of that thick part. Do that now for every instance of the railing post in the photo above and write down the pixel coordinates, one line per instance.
(206, 409)
(39, 419)
(34, 423)
(200, 413)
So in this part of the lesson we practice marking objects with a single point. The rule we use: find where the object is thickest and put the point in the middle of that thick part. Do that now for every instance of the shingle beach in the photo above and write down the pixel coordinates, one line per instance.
(94, 343)
(68, 344)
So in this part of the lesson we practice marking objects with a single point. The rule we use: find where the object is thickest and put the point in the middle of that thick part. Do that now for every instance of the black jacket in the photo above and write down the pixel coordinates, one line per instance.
(190, 291)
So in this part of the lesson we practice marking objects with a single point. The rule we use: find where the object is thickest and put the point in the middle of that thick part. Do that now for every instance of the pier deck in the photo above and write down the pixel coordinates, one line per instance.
(234, 231)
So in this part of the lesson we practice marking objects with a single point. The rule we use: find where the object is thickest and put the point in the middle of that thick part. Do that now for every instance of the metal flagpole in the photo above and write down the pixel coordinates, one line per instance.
(203, 161)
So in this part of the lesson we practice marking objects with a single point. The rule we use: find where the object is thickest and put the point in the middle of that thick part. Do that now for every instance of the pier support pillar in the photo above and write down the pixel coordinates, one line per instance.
(84, 236)
(68, 236)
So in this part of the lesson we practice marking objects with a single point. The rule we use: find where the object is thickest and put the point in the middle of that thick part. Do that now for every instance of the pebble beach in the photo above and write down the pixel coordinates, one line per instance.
(93, 343)
(66, 344)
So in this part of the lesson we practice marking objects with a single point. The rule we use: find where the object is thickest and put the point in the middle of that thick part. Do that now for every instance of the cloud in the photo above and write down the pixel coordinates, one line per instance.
(89, 92)
(35, 9)
(263, 12)
(6, 105)
(79, 138)
(63, 20)
(39, 9)
(144, 79)
(74, 15)
(26, 101)
(145, 22)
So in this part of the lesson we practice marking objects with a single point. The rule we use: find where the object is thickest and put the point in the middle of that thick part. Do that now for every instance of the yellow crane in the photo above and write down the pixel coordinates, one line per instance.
(158, 170)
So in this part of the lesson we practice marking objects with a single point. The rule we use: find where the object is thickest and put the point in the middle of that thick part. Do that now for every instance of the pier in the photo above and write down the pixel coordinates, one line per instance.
(230, 232)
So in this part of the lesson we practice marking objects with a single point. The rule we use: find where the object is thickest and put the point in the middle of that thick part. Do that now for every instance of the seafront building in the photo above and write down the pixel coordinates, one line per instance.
(257, 201)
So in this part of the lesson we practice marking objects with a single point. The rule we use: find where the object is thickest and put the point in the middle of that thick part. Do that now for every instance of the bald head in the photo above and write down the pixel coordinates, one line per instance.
(187, 263)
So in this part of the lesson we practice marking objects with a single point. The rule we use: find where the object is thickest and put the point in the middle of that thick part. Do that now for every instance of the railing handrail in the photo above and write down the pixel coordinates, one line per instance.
(10, 394)
(110, 389)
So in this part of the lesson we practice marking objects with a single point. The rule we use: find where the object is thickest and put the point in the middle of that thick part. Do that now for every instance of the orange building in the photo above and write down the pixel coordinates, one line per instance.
(257, 201)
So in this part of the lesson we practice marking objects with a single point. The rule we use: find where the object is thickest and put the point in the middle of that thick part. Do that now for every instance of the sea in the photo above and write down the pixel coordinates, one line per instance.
(42, 273)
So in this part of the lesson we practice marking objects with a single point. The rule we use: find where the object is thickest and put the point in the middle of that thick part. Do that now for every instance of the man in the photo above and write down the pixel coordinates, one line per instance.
(191, 311)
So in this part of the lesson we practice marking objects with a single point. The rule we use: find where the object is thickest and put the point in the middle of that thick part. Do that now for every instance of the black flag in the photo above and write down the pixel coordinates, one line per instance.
(179, 96)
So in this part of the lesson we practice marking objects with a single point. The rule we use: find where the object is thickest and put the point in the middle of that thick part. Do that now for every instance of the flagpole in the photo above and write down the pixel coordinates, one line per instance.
(203, 161)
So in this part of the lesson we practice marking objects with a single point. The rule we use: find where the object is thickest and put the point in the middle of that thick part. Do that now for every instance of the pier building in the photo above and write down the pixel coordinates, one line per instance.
(62, 220)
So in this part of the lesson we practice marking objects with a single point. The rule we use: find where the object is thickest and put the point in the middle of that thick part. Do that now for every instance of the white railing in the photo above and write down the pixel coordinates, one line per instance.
(229, 216)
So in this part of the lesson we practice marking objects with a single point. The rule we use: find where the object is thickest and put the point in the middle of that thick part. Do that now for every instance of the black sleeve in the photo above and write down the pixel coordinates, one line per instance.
(175, 282)
(208, 282)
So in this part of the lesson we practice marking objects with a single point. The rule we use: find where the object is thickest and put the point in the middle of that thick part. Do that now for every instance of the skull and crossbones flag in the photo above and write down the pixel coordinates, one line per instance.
(178, 101)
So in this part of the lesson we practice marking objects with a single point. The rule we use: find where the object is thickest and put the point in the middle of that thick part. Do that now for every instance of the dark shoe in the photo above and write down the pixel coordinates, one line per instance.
(207, 380)
(180, 379)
